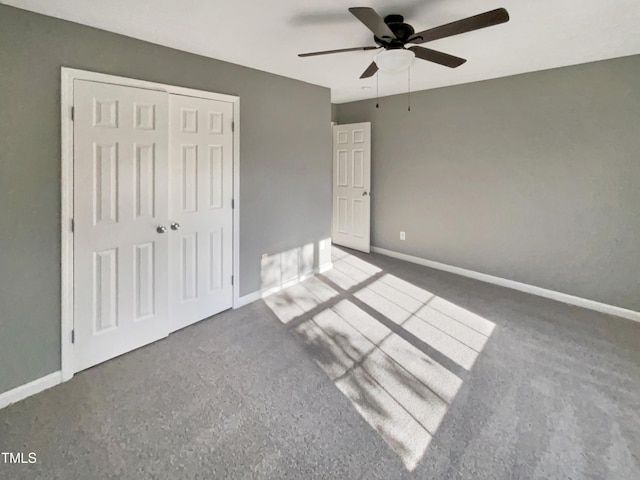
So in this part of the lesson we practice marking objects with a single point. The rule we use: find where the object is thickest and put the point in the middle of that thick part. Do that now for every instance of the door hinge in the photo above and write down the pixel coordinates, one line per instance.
(73, 225)
(73, 336)
(231, 279)
(233, 204)
(233, 126)
(73, 113)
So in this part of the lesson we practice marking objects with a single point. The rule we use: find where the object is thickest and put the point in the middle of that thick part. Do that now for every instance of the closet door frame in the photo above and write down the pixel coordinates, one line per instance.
(68, 75)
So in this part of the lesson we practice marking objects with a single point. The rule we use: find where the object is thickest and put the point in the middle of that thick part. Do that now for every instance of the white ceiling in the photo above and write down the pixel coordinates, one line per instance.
(268, 35)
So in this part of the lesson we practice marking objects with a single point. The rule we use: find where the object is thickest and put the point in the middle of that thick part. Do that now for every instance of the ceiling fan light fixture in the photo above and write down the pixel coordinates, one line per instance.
(394, 60)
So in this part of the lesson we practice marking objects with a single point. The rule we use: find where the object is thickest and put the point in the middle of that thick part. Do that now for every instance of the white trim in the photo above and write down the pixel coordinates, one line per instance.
(325, 268)
(236, 202)
(265, 292)
(247, 299)
(523, 287)
(66, 185)
(68, 75)
(75, 74)
(31, 388)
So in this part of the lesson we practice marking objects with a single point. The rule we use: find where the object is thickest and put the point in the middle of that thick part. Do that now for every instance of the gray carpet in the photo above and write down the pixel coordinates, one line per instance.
(323, 381)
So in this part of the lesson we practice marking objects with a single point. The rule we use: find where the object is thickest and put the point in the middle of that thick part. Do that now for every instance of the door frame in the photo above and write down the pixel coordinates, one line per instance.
(67, 77)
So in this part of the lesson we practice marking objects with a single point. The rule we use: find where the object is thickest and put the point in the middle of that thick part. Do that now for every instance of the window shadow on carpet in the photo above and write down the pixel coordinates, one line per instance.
(393, 349)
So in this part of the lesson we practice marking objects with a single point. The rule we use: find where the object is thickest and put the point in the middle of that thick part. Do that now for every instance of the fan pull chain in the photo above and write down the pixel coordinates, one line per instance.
(377, 90)
(409, 89)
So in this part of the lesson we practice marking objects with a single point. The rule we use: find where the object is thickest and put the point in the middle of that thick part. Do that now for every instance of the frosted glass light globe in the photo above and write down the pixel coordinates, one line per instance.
(394, 60)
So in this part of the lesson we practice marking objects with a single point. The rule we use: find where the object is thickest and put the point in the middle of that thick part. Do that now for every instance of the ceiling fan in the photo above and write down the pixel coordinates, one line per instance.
(393, 35)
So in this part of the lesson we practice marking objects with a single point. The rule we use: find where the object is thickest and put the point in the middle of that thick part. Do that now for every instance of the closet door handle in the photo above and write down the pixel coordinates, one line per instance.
(161, 229)
(175, 226)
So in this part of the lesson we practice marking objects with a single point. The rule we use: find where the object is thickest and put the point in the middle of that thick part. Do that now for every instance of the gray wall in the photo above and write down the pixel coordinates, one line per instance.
(285, 154)
(534, 178)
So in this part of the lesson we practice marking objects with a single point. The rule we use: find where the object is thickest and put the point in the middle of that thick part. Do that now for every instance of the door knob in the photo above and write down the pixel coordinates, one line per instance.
(175, 226)
(364, 194)
(161, 229)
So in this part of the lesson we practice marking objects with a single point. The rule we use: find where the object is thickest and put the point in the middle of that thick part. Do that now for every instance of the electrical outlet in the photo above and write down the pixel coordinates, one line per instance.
(403, 236)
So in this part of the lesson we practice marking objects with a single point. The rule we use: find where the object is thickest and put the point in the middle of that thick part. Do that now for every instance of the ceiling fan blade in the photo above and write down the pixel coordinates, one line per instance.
(437, 57)
(372, 21)
(326, 52)
(370, 71)
(487, 19)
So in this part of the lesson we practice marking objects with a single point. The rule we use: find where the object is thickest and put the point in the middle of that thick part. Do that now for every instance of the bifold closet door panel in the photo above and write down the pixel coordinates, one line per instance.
(200, 210)
(121, 189)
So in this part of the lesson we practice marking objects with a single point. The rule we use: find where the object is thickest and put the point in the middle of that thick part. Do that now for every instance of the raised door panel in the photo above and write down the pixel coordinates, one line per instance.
(188, 179)
(358, 217)
(216, 259)
(105, 181)
(215, 176)
(144, 280)
(188, 267)
(357, 167)
(342, 213)
(145, 179)
(342, 168)
(105, 290)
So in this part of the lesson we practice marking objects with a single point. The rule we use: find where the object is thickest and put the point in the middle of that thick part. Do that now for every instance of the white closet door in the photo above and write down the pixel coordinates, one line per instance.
(120, 198)
(200, 211)
(352, 186)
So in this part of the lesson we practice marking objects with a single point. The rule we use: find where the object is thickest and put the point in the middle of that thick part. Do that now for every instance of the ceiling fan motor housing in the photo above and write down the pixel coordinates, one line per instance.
(401, 30)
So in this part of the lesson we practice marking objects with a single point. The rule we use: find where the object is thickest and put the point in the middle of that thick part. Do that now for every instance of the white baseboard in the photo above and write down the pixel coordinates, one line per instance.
(31, 388)
(265, 292)
(523, 287)
(325, 268)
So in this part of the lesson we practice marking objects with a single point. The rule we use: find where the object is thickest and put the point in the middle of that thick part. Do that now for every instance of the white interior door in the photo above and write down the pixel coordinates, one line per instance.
(120, 198)
(201, 192)
(352, 185)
